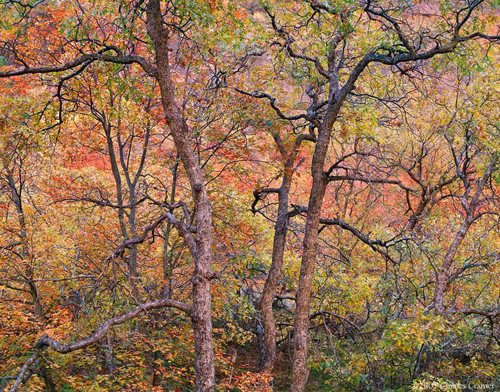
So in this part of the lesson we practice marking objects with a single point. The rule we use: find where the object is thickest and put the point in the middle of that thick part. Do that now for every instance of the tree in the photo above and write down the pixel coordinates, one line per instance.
(315, 178)
(200, 247)
(339, 71)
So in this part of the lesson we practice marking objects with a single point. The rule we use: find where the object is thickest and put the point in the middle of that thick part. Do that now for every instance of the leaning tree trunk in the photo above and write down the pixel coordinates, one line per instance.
(266, 303)
(279, 243)
(300, 371)
(201, 314)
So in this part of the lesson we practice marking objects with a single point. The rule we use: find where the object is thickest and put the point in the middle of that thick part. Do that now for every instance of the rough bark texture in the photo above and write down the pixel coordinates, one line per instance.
(201, 314)
(279, 243)
(300, 372)
(266, 303)
(336, 98)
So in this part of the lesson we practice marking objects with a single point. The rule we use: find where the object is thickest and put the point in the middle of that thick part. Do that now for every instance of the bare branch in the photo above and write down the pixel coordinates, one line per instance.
(86, 58)
(257, 194)
(272, 102)
(371, 181)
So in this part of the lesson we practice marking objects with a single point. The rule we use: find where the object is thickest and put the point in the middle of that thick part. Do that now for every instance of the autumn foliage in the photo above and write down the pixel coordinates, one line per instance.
(258, 195)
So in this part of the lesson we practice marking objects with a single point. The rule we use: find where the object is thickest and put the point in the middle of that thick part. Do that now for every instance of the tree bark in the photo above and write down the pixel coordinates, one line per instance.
(336, 98)
(201, 313)
(132, 258)
(279, 243)
(266, 303)
(167, 256)
(300, 372)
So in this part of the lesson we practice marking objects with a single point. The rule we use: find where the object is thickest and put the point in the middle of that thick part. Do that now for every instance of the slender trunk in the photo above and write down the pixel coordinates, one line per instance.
(168, 257)
(132, 255)
(133, 252)
(470, 217)
(279, 243)
(23, 234)
(116, 175)
(109, 356)
(201, 315)
(132, 199)
(442, 277)
(266, 303)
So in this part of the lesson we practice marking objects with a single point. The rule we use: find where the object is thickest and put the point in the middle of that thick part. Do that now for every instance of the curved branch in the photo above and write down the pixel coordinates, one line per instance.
(272, 102)
(86, 58)
(257, 194)
(99, 333)
(184, 230)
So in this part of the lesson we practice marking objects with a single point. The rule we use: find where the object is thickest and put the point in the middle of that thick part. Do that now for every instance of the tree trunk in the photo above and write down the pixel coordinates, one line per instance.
(167, 256)
(470, 217)
(201, 316)
(442, 276)
(266, 303)
(300, 371)
(132, 256)
(25, 254)
(279, 243)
